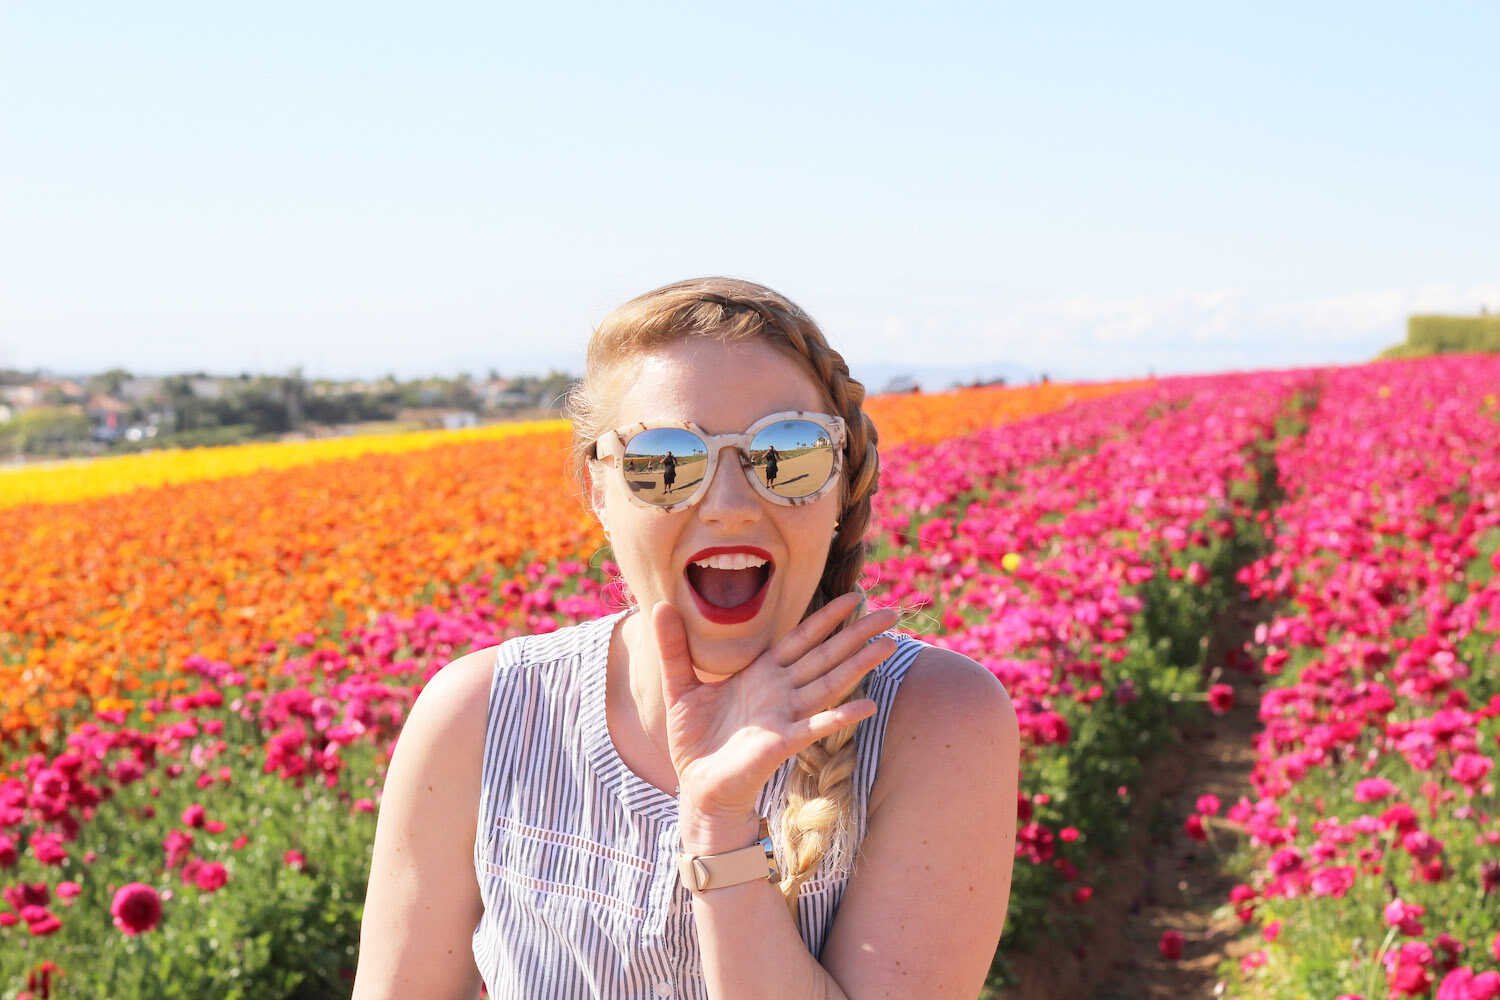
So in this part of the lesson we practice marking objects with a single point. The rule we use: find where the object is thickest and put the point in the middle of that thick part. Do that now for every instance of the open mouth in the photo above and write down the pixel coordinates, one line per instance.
(729, 584)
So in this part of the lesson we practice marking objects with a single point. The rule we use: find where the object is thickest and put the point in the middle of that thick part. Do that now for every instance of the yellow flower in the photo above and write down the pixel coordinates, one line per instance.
(1010, 562)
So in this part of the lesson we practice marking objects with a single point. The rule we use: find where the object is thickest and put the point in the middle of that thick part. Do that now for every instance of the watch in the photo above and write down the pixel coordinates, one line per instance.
(715, 871)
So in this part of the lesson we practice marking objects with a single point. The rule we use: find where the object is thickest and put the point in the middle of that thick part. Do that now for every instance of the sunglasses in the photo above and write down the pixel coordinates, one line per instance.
(790, 458)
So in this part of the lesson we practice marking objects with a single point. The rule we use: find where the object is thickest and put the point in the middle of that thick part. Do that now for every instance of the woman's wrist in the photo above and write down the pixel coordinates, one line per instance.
(705, 832)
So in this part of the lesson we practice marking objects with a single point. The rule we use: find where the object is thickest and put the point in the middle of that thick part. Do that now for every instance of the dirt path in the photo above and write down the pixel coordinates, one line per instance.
(1164, 880)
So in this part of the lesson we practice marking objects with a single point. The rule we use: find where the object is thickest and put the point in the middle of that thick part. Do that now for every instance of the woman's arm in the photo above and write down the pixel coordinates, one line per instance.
(926, 904)
(925, 907)
(423, 900)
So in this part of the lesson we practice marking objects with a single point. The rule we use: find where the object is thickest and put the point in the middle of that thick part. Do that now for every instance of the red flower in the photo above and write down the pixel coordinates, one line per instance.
(211, 876)
(1220, 698)
(136, 908)
(193, 815)
(177, 845)
(40, 921)
(1463, 984)
(1170, 945)
(1405, 917)
(1193, 827)
(295, 860)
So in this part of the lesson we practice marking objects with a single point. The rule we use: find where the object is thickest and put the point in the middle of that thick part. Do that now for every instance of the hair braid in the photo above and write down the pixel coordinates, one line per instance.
(818, 820)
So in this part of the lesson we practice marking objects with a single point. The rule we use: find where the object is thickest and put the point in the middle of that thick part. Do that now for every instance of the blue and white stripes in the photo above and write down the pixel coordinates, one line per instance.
(575, 852)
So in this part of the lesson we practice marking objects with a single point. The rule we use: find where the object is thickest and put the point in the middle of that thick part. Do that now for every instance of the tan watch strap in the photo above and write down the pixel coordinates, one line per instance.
(714, 871)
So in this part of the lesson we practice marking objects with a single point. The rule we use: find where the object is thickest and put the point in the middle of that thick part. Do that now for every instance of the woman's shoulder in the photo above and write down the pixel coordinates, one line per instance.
(948, 711)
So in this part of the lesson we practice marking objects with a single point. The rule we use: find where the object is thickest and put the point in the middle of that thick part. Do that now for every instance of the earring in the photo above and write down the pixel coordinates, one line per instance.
(835, 529)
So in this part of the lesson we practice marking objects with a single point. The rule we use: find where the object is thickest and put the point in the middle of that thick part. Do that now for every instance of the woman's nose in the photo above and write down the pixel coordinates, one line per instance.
(729, 499)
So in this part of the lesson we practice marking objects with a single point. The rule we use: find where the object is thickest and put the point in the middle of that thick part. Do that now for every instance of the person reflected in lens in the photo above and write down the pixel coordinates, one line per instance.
(740, 782)
(669, 471)
(772, 457)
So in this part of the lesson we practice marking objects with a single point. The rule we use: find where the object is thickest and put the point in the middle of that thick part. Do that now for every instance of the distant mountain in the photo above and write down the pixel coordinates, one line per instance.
(896, 376)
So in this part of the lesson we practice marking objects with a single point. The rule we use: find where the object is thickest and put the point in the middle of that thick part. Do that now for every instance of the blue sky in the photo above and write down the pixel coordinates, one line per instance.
(1089, 190)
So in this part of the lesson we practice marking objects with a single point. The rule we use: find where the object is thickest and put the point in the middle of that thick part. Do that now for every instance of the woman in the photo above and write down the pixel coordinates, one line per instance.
(578, 814)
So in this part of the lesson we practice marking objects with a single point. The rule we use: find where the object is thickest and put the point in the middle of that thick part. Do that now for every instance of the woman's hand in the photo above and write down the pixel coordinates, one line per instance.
(727, 738)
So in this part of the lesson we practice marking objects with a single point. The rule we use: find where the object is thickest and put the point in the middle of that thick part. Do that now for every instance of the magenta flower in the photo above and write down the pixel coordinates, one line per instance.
(136, 908)
(211, 876)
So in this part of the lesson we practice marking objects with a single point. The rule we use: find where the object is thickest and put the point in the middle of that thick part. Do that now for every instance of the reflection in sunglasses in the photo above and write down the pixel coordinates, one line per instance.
(789, 459)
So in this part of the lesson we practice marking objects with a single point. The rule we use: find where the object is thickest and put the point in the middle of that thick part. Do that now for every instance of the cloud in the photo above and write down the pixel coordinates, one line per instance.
(1360, 313)
(1178, 331)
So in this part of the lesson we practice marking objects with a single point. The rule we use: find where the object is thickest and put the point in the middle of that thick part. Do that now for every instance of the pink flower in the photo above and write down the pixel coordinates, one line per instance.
(211, 876)
(1170, 945)
(40, 921)
(1373, 790)
(1193, 827)
(1470, 768)
(295, 860)
(177, 845)
(1220, 698)
(68, 891)
(193, 815)
(1335, 882)
(1208, 805)
(1408, 969)
(136, 908)
(1405, 917)
(1463, 984)
(48, 848)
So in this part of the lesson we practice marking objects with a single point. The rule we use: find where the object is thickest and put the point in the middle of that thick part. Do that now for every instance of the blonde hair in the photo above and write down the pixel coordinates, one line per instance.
(818, 821)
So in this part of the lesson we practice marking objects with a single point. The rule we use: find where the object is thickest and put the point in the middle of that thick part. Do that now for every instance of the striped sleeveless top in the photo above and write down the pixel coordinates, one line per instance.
(575, 854)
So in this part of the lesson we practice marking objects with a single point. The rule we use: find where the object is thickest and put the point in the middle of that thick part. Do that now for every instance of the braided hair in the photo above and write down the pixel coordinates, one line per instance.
(818, 820)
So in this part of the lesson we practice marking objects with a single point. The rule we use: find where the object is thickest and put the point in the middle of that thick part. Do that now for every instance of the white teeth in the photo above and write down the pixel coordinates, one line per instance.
(730, 560)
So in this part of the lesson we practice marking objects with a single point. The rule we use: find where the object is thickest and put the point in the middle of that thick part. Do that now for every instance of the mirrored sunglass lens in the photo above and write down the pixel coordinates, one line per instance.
(665, 465)
(794, 458)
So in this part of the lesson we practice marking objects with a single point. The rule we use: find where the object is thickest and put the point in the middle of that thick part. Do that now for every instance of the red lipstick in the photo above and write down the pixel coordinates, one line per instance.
(742, 612)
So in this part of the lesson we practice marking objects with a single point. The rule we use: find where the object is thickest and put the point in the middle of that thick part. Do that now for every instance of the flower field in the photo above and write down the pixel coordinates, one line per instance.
(204, 678)
(1375, 868)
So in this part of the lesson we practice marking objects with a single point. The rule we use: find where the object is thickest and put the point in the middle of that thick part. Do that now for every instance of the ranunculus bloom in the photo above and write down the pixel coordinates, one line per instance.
(1373, 790)
(211, 876)
(42, 923)
(136, 908)
(1208, 805)
(1408, 968)
(1463, 984)
(1405, 917)
(177, 845)
(1193, 827)
(48, 848)
(1170, 945)
(1220, 698)
(194, 815)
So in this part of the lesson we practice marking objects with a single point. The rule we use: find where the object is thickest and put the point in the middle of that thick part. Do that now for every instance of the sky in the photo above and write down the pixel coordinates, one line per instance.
(1087, 190)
